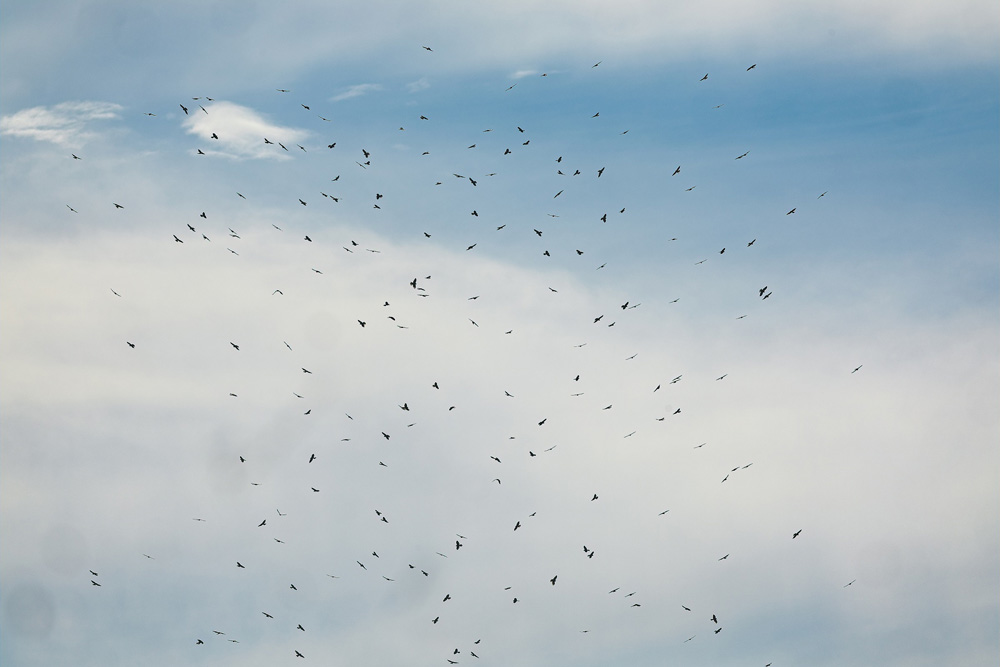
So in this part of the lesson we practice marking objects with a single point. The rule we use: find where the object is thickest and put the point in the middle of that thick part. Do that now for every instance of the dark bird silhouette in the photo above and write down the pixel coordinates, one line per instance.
(790, 212)
(184, 108)
(751, 67)
(703, 78)
(856, 369)
(131, 345)
(94, 582)
(676, 171)
(796, 533)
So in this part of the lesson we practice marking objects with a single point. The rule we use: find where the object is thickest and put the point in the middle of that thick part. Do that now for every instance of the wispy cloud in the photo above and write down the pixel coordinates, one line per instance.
(521, 73)
(420, 84)
(237, 131)
(64, 124)
(356, 91)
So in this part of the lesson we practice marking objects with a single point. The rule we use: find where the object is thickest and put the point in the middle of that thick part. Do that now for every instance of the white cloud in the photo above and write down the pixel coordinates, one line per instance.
(241, 132)
(356, 91)
(521, 73)
(64, 124)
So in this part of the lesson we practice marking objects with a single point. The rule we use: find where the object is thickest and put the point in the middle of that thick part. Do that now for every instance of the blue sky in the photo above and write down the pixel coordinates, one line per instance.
(857, 403)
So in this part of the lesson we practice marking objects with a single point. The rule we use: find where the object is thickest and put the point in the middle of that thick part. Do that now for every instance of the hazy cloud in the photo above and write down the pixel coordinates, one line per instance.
(356, 91)
(420, 84)
(64, 124)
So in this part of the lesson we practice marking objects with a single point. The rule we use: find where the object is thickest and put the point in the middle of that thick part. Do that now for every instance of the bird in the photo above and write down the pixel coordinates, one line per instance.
(790, 212)
(130, 344)
(298, 655)
(796, 533)
(703, 78)
(676, 171)
(751, 67)
(553, 580)
(94, 582)
(856, 369)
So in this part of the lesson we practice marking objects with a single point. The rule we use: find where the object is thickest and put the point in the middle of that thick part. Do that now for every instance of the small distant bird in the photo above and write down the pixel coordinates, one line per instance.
(676, 171)
(790, 212)
(553, 580)
(131, 345)
(703, 78)
(857, 369)
(184, 108)
(94, 582)
(240, 565)
(298, 655)
(751, 67)
(796, 533)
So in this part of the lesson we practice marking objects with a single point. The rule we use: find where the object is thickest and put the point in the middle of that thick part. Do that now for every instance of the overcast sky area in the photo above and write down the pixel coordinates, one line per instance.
(590, 333)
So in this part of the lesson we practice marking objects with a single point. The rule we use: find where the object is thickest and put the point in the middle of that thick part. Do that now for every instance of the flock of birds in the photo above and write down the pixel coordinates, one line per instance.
(202, 230)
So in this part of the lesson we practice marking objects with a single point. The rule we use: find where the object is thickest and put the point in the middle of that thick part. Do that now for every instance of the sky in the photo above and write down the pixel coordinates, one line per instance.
(564, 333)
